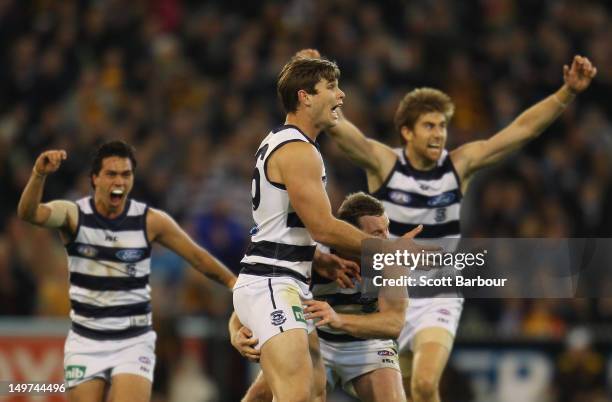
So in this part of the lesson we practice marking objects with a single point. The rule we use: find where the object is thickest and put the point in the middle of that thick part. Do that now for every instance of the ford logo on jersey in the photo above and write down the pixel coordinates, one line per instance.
(442, 199)
(399, 197)
(130, 254)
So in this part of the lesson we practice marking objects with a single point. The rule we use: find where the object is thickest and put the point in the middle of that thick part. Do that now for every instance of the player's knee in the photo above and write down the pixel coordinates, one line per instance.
(423, 388)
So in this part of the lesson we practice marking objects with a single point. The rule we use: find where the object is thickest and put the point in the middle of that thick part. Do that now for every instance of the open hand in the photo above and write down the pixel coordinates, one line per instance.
(338, 269)
(324, 312)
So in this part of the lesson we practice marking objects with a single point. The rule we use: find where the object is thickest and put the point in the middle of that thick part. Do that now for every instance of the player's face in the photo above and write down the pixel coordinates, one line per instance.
(114, 182)
(325, 102)
(428, 137)
(375, 225)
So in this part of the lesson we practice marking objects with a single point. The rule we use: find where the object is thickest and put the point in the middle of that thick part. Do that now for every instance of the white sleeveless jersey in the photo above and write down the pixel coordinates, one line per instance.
(279, 238)
(109, 263)
(431, 198)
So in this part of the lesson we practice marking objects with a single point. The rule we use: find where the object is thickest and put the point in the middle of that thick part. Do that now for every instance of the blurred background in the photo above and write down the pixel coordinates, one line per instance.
(191, 84)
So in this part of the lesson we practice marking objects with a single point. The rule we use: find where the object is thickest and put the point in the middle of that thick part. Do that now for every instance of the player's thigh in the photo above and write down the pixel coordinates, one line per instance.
(382, 385)
(88, 391)
(319, 382)
(259, 391)
(129, 388)
(432, 348)
(287, 365)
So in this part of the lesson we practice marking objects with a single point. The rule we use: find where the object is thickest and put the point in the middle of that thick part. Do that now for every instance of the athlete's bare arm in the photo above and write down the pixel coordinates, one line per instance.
(59, 214)
(298, 166)
(375, 158)
(163, 229)
(384, 324)
(528, 125)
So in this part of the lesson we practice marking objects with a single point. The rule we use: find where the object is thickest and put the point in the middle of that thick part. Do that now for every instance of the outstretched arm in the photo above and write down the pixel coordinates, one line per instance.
(55, 214)
(375, 158)
(528, 125)
(163, 229)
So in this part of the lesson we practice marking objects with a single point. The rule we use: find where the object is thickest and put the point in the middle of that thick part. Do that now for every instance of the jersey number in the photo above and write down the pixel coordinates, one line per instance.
(255, 187)
(255, 190)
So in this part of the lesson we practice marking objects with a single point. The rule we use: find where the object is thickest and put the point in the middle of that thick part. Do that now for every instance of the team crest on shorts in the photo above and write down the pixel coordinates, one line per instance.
(277, 317)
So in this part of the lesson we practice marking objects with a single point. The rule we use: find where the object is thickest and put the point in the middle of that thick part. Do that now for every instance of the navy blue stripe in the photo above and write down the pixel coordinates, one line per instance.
(294, 221)
(92, 282)
(379, 191)
(109, 334)
(429, 231)
(281, 251)
(116, 225)
(336, 299)
(271, 293)
(271, 271)
(279, 146)
(452, 166)
(126, 310)
(338, 337)
(113, 254)
(273, 302)
(415, 200)
(286, 126)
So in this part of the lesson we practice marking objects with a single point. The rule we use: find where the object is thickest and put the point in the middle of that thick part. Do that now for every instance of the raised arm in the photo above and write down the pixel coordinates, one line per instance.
(163, 229)
(528, 125)
(299, 167)
(59, 214)
(375, 158)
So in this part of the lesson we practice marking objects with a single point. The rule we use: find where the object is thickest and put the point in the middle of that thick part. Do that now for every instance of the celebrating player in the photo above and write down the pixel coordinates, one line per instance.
(108, 240)
(291, 211)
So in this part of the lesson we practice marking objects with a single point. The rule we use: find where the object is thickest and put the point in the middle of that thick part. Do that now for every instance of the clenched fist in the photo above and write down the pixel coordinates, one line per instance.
(579, 75)
(48, 162)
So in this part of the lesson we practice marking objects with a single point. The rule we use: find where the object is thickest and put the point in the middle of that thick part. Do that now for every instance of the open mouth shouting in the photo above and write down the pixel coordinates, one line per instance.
(335, 109)
(116, 195)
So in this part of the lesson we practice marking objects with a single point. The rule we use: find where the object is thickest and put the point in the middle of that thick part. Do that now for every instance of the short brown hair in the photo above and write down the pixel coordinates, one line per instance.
(303, 73)
(420, 101)
(357, 205)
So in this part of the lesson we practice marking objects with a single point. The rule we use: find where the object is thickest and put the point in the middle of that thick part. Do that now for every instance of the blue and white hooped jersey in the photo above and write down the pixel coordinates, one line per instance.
(431, 198)
(279, 238)
(109, 263)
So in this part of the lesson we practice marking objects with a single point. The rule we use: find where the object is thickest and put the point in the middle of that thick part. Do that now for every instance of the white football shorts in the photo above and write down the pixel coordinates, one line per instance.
(438, 312)
(85, 358)
(269, 306)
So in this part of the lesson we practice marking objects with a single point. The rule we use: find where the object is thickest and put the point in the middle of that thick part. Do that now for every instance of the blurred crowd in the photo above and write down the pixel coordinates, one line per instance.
(191, 85)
